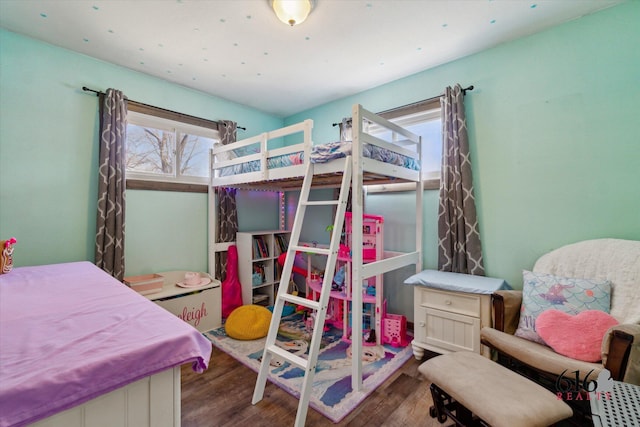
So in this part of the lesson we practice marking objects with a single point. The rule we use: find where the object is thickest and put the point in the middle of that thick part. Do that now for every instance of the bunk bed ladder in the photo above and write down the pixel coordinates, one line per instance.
(320, 306)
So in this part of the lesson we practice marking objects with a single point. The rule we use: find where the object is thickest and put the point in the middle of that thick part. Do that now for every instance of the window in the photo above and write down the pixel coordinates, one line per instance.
(424, 119)
(165, 150)
(428, 125)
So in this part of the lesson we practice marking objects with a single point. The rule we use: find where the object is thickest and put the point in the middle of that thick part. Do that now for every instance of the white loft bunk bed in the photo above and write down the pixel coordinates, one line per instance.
(289, 176)
(374, 160)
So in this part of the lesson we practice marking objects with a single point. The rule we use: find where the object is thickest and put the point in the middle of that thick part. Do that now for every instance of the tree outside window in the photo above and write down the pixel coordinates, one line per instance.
(165, 150)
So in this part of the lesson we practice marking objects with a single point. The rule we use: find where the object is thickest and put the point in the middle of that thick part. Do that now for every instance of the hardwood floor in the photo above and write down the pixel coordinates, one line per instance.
(221, 396)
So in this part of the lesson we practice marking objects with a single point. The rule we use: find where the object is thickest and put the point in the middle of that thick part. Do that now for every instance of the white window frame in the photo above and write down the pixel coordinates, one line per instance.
(148, 120)
(430, 179)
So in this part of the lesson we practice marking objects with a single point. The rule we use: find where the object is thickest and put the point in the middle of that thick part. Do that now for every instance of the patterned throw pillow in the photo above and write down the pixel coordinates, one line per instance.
(541, 292)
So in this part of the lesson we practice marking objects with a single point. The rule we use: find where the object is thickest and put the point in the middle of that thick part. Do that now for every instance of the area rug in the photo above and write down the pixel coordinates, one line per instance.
(332, 394)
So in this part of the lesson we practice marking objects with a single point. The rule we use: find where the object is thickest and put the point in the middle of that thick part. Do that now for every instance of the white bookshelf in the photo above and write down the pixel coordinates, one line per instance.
(258, 253)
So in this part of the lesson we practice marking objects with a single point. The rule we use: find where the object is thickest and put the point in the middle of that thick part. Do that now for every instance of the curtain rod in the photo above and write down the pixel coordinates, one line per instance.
(98, 93)
(464, 92)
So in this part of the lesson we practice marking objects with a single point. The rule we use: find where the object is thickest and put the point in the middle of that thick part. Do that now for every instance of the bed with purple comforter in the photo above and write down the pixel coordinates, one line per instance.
(70, 332)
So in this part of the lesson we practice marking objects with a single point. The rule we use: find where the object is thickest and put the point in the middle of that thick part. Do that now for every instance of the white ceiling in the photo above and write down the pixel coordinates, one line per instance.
(238, 50)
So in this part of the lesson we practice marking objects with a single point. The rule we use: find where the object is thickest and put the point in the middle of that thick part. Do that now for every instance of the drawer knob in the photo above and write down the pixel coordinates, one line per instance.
(447, 301)
(422, 324)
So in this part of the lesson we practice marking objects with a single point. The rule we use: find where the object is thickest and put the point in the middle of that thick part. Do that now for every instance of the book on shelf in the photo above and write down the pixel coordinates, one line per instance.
(260, 298)
(277, 271)
(260, 249)
(282, 243)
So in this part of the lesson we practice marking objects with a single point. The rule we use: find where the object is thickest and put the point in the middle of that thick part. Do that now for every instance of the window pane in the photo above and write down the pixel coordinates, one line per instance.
(150, 150)
(193, 152)
(431, 133)
(430, 129)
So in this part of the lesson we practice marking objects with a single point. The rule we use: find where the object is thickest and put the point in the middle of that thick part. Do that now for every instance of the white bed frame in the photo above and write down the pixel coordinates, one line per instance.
(153, 401)
(366, 171)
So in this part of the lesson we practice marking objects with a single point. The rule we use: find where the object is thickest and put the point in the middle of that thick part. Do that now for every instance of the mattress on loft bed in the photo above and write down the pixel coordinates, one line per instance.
(334, 150)
(283, 160)
(322, 154)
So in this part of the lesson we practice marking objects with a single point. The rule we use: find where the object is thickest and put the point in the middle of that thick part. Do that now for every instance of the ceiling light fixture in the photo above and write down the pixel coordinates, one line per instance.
(292, 12)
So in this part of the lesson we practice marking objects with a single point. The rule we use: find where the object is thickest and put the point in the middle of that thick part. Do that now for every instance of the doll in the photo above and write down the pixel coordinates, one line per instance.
(6, 260)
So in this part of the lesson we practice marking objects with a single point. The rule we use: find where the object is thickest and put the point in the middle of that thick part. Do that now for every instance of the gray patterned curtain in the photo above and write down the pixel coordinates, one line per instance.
(459, 248)
(111, 184)
(227, 211)
(345, 130)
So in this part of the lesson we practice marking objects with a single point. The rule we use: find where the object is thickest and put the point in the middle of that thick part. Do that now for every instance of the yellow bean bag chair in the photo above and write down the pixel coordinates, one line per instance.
(248, 322)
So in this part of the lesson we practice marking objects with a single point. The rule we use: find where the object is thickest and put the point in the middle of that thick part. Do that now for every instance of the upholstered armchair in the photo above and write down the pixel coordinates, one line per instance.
(613, 260)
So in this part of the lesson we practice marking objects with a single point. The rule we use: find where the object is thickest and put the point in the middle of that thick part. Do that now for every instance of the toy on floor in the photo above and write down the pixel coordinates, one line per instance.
(309, 319)
(394, 330)
(287, 310)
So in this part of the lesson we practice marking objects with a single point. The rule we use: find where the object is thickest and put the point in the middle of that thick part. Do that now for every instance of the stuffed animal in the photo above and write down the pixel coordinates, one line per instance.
(6, 259)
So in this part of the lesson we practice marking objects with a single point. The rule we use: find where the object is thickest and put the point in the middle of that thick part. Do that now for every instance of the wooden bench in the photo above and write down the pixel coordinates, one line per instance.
(473, 390)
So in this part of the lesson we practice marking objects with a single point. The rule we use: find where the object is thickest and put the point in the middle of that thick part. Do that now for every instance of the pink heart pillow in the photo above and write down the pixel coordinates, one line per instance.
(579, 336)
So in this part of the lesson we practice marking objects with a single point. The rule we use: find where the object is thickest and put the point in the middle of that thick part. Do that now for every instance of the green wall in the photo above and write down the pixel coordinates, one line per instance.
(554, 139)
(552, 122)
(49, 152)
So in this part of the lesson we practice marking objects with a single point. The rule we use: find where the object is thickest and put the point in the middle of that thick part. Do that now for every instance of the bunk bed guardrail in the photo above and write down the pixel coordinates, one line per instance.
(263, 158)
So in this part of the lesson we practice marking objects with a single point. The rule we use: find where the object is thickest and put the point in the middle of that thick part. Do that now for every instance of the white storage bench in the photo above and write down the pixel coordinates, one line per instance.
(200, 307)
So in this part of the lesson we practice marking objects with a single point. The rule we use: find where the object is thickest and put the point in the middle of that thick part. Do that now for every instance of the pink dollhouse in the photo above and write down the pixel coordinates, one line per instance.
(380, 327)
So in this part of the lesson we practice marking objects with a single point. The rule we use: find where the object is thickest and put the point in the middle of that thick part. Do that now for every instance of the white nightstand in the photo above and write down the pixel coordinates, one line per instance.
(449, 311)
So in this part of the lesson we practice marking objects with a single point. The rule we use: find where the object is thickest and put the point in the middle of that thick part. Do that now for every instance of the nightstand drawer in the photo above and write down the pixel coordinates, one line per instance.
(467, 304)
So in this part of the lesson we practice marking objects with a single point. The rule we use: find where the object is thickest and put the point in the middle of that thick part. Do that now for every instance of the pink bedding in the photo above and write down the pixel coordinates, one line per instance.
(70, 332)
